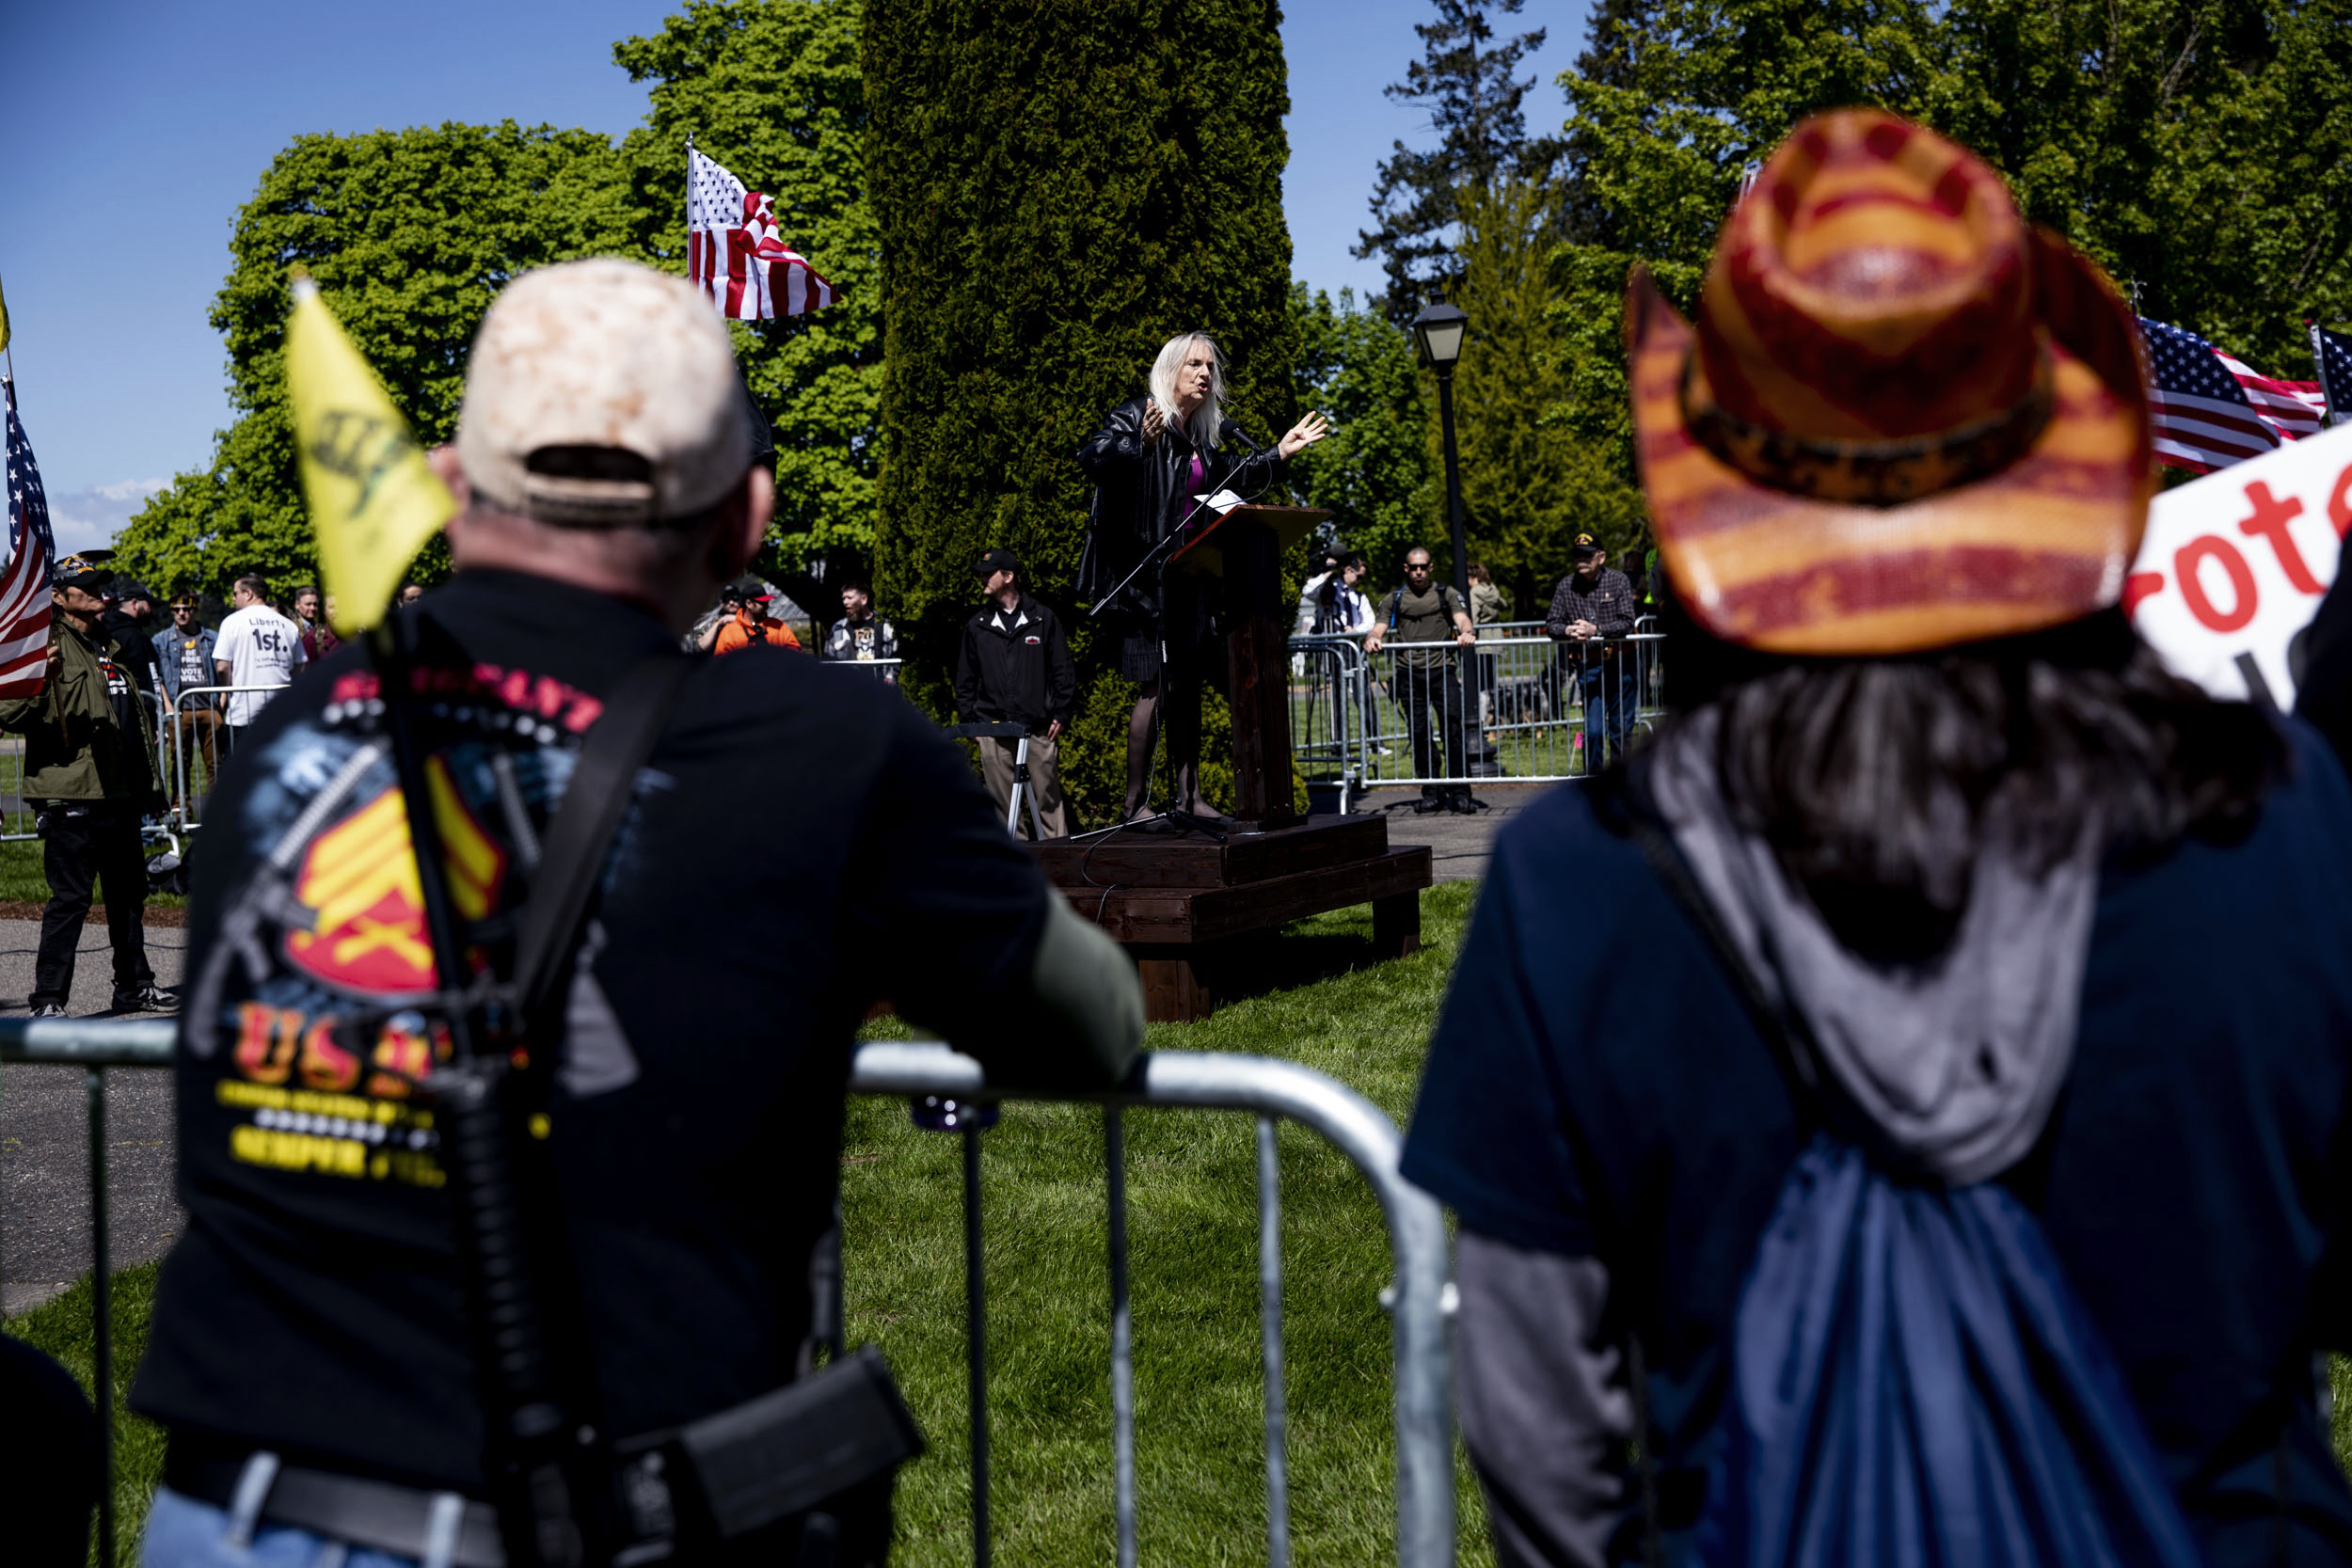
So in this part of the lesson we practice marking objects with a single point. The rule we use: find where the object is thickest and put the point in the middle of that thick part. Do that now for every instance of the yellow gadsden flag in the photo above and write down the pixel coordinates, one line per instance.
(375, 499)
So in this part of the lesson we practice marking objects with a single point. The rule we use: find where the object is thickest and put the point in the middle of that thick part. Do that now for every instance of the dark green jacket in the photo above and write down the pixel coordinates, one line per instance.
(74, 748)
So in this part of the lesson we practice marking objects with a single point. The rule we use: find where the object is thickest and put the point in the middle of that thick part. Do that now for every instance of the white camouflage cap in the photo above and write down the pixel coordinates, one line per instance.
(580, 364)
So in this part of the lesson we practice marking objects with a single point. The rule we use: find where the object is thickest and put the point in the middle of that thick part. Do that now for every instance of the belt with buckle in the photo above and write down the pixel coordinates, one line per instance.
(440, 1529)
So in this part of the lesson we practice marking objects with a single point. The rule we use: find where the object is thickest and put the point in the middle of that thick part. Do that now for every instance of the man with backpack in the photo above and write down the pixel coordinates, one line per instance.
(1886, 1180)
(326, 1350)
(1429, 622)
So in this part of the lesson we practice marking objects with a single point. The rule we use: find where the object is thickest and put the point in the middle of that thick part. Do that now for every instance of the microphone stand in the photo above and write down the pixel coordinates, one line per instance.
(1157, 557)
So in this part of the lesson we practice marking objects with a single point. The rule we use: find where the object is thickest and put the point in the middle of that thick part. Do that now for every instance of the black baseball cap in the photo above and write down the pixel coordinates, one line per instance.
(1585, 547)
(74, 572)
(750, 589)
(129, 588)
(998, 559)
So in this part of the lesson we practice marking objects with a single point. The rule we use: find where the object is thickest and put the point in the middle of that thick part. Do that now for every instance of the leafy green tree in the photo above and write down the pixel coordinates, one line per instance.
(2200, 150)
(1528, 483)
(1467, 83)
(771, 89)
(1060, 190)
(410, 234)
(1376, 472)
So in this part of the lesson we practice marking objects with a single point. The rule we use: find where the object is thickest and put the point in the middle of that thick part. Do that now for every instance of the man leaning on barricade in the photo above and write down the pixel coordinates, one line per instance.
(314, 1356)
(1429, 622)
(1592, 614)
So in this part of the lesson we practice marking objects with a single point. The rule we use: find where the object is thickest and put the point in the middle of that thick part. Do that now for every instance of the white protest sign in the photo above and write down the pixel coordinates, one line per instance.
(2233, 566)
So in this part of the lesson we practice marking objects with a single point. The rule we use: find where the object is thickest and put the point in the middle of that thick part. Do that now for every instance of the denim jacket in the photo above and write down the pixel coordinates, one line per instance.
(169, 646)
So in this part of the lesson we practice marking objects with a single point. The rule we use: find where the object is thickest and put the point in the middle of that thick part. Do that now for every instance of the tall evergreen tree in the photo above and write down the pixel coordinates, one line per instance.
(1376, 472)
(1529, 486)
(1061, 189)
(1469, 84)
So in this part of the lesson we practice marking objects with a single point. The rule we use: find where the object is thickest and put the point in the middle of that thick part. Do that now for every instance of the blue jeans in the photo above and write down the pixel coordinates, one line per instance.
(185, 1533)
(1610, 699)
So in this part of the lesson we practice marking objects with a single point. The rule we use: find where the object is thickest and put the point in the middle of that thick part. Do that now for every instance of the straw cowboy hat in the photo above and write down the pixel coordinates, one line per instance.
(1903, 418)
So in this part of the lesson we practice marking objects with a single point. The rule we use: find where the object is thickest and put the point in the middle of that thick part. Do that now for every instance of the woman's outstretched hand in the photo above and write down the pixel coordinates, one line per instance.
(1305, 434)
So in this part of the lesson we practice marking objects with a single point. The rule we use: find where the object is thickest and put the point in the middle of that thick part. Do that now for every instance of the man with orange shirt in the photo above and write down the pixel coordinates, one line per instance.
(750, 622)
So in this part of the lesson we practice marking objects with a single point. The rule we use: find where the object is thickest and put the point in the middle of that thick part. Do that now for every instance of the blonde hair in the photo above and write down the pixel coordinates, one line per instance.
(1202, 426)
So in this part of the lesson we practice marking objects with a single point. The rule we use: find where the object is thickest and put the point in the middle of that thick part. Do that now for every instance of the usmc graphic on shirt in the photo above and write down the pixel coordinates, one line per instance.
(314, 1005)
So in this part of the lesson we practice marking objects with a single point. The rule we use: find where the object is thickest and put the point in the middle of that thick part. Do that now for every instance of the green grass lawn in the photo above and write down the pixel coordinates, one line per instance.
(1317, 997)
(22, 880)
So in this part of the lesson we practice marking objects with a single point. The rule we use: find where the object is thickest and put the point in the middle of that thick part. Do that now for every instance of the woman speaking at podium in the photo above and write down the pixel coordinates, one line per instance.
(1152, 456)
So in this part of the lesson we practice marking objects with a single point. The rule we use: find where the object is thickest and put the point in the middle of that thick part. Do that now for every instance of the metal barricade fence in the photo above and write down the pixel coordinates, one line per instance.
(1418, 1297)
(882, 670)
(18, 823)
(1546, 709)
(1328, 723)
(196, 739)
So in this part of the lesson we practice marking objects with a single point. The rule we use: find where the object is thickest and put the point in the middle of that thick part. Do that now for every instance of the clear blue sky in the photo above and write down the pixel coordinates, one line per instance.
(130, 131)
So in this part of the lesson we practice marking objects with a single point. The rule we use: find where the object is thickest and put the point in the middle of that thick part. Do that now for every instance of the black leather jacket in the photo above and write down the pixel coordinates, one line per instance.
(1142, 490)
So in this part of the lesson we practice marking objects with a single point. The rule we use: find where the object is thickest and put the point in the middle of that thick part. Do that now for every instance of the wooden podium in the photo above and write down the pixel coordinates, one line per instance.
(1176, 899)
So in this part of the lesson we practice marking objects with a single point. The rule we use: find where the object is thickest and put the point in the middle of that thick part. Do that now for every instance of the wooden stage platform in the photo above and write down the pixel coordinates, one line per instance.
(1178, 901)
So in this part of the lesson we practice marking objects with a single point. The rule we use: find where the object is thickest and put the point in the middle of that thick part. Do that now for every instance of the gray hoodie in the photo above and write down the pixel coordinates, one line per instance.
(1958, 1061)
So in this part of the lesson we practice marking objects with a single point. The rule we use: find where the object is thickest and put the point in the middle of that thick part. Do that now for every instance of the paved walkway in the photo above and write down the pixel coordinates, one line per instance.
(44, 1135)
(1458, 845)
(44, 1111)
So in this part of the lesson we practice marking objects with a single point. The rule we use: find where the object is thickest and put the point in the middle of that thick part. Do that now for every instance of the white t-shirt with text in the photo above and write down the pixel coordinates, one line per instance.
(261, 648)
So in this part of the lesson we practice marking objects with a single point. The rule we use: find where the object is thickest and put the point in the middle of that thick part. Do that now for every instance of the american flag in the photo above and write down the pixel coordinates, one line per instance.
(2212, 411)
(25, 584)
(732, 253)
(2332, 352)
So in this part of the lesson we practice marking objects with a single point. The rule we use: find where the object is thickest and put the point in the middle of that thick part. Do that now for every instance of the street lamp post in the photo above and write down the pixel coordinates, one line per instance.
(1439, 330)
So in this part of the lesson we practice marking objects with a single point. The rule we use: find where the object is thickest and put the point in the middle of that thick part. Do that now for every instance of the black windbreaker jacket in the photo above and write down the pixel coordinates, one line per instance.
(1015, 666)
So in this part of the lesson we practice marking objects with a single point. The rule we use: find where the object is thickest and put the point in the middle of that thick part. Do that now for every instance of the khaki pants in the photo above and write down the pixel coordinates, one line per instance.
(996, 768)
(195, 733)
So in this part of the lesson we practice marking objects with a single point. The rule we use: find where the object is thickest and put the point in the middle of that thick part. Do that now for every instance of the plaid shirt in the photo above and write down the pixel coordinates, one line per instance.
(1609, 605)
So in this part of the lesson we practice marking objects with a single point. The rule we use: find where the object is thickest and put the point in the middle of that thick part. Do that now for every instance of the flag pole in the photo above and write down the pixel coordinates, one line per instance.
(2330, 393)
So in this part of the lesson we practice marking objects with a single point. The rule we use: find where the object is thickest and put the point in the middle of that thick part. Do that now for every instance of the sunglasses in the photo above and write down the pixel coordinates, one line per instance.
(1417, 566)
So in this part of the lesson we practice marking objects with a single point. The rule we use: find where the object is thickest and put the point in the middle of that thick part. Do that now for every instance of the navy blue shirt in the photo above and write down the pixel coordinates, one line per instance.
(1596, 1089)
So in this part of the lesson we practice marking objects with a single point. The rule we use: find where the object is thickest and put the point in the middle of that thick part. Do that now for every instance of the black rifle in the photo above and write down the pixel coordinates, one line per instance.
(567, 1496)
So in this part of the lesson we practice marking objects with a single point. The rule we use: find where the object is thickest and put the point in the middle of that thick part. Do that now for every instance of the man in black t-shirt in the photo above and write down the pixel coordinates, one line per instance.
(311, 1335)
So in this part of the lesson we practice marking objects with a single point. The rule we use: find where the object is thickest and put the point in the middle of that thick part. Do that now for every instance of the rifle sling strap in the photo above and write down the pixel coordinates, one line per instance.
(580, 836)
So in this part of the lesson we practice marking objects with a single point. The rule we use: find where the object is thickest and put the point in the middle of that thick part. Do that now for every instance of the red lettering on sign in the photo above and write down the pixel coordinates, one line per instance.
(2269, 521)
(2245, 599)
(2138, 586)
(2340, 503)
